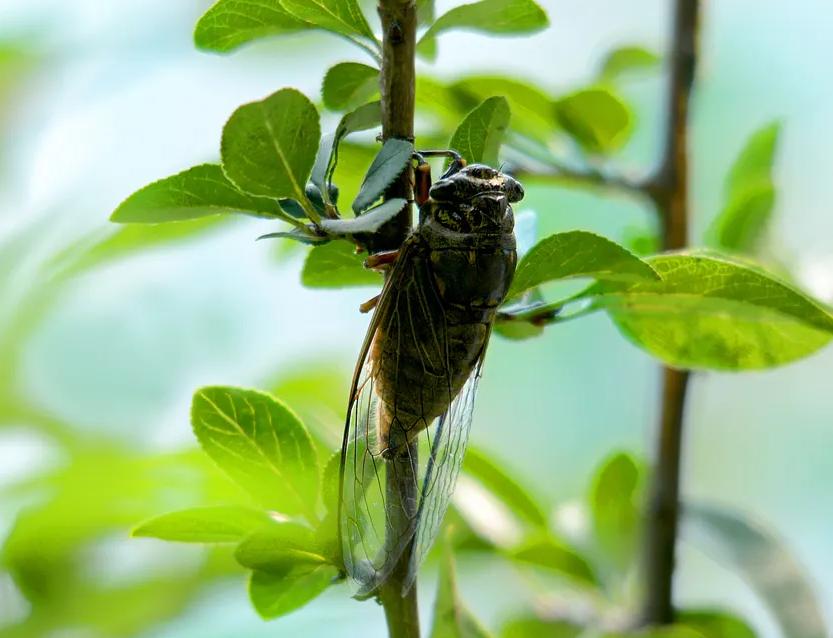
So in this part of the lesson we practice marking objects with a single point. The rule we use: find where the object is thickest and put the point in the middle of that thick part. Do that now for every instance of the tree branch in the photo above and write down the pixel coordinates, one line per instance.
(669, 190)
(397, 86)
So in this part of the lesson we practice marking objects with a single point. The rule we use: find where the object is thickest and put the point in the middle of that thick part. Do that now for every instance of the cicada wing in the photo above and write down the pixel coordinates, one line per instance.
(443, 467)
(368, 551)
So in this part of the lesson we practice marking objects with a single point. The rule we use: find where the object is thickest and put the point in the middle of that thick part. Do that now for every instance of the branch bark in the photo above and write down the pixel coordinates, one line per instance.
(669, 190)
(398, 88)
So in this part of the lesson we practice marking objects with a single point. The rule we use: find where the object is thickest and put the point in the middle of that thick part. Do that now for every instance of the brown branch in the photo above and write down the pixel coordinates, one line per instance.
(397, 86)
(669, 190)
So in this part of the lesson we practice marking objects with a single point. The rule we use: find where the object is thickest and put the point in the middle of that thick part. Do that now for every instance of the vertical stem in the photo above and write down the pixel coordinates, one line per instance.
(670, 192)
(398, 88)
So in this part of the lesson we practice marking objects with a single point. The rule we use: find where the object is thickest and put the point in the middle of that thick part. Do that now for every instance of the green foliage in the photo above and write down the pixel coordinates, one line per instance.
(260, 444)
(715, 624)
(595, 118)
(765, 564)
(231, 23)
(220, 524)
(343, 17)
(615, 507)
(479, 136)
(277, 594)
(708, 312)
(369, 222)
(494, 478)
(279, 547)
(750, 194)
(553, 555)
(198, 192)
(626, 60)
(386, 167)
(336, 265)
(451, 618)
(578, 254)
(348, 85)
(531, 627)
(490, 16)
(269, 147)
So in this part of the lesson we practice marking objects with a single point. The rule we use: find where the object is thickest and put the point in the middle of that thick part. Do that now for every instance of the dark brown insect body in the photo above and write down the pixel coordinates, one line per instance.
(455, 271)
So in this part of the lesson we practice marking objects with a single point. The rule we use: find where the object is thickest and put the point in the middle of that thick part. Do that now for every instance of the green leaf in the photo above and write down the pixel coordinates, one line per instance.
(222, 524)
(599, 121)
(198, 192)
(614, 504)
(626, 60)
(231, 23)
(742, 223)
(368, 222)
(531, 106)
(553, 555)
(279, 548)
(344, 17)
(348, 85)
(277, 594)
(764, 562)
(386, 167)
(451, 618)
(709, 312)
(261, 444)
(489, 473)
(336, 265)
(479, 136)
(578, 254)
(425, 11)
(754, 163)
(750, 194)
(269, 147)
(532, 627)
(488, 16)
(715, 624)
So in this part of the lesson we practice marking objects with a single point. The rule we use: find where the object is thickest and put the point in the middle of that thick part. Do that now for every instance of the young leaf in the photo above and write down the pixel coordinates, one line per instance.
(279, 548)
(532, 627)
(344, 17)
(578, 254)
(277, 594)
(269, 147)
(715, 624)
(260, 444)
(764, 563)
(488, 16)
(626, 60)
(708, 312)
(750, 194)
(614, 504)
(368, 222)
(231, 23)
(531, 106)
(479, 136)
(595, 118)
(386, 167)
(222, 524)
(336, 265)
(425, 11)
(451, 618)
(489, 473)
(198, 192)
(553, 555)
(348, 85)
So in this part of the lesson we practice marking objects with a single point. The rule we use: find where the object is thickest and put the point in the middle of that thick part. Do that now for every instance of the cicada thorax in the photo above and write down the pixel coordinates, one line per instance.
(458, 267)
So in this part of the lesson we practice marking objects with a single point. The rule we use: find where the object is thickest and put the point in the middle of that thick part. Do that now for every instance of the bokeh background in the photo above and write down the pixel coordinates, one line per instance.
(99, 98)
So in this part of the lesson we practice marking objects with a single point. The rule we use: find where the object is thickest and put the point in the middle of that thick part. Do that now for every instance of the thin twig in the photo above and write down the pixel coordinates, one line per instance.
(669, 190)
(397, 84)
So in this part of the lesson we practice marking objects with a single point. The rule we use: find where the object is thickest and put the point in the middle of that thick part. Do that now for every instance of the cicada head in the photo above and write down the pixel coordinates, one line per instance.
(475, 179)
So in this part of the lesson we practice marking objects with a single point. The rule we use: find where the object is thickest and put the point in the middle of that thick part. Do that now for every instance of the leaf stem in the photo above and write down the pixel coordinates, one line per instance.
(397, 85)
(669, 190)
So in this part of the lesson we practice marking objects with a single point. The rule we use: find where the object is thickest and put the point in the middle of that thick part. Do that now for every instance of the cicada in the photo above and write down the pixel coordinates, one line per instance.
(415, 380)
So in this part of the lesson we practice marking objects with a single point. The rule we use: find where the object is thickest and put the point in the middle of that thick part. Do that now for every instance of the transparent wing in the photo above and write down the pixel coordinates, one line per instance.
(443, 467)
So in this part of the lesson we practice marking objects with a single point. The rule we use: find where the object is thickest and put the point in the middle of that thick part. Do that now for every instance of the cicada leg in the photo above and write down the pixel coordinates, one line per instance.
(381, 260)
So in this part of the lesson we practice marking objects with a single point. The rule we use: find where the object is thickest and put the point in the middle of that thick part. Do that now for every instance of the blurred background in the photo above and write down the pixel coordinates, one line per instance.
(100, 350)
